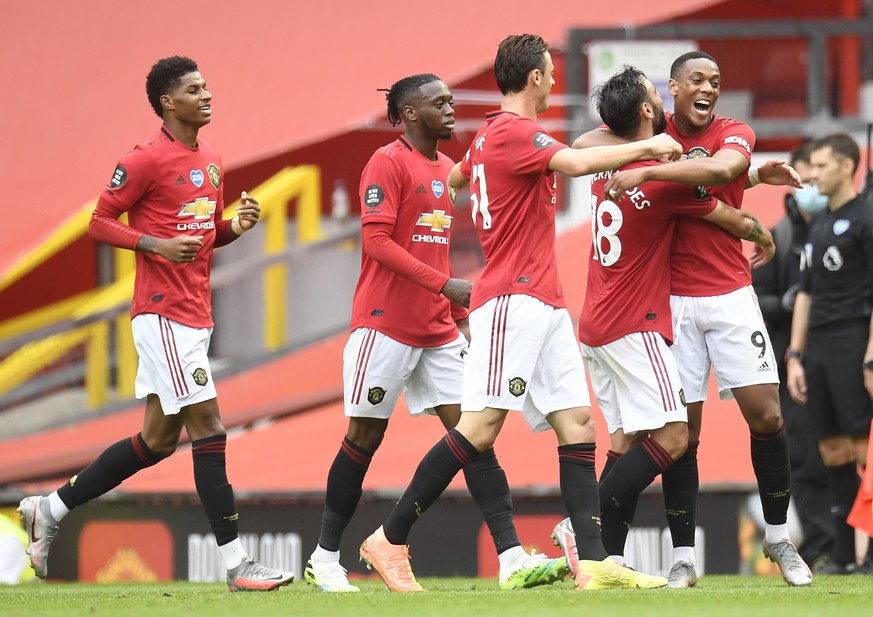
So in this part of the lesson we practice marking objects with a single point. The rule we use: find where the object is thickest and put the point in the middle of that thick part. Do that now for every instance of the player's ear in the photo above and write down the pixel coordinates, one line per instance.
(646, 110)
(673, 87)
(167, 102)
(410, 113)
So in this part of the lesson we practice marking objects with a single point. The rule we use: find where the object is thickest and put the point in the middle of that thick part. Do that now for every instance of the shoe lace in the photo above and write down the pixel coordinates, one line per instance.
(256, 569)
(787, 554)
(399, 564)
(333, 572)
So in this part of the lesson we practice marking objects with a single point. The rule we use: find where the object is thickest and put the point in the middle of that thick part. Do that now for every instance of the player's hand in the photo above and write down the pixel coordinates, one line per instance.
(181, 249)
(779, 173)
(761, 255)
(664, 148)
(458, 291)
(622, 181)
(248, 211)
(868, 380)
(464, 328)
(796, 380)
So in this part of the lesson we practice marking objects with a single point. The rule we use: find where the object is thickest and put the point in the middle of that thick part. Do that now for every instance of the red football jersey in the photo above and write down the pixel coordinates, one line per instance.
(400, 187)
(706, 260)
(629, 272)
(169, 189)
(512, 194)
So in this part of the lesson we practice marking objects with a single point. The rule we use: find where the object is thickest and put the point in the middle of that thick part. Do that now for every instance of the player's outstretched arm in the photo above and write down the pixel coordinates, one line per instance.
(574, 163)
(774, 173)
(723, 167)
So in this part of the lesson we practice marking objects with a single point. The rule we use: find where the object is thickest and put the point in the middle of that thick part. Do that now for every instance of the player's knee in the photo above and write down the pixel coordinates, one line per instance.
(367, 433)
(673, 438)
(162, 447)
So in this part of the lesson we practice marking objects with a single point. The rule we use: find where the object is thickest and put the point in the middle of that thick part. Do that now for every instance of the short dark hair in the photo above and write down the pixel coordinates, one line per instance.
(680, 62)
(517, 56)
(165, 75)
(401, 90)
(842, 145)
(619, 99)
(800, 154)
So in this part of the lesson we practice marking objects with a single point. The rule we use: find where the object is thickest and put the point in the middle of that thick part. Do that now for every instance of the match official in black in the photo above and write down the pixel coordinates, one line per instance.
(830, 357)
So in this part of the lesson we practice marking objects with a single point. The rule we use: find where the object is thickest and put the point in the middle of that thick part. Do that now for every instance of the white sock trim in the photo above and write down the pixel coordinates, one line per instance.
(232, 553)
(58, 508)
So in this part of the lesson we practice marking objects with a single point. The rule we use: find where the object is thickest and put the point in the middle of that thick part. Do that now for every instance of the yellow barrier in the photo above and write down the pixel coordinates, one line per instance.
(302, 183)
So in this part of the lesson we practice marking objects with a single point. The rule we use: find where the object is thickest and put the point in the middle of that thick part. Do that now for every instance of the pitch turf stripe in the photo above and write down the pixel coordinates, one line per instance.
(658, 453)
(361, 365)
(659, 368)
(498, 345)
(168, 338)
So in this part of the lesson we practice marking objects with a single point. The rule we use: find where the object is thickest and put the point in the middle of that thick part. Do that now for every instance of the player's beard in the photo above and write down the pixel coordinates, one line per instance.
(660, 123)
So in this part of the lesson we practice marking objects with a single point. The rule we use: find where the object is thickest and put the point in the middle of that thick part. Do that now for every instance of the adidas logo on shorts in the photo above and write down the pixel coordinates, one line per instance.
(765, 367)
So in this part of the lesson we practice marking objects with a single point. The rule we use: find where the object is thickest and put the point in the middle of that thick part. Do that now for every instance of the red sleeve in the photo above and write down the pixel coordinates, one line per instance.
(738, 136)
(223, 231)
(377, 243)
(465, 167)
(531, 147)
(105, 227)
(459, 312)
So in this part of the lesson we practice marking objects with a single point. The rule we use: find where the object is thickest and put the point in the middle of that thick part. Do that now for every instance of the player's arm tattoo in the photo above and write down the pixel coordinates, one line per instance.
(146, 244)
(757, 234)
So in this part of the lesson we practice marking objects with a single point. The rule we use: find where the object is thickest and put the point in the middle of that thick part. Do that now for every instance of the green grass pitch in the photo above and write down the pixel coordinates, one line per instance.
(715, 596)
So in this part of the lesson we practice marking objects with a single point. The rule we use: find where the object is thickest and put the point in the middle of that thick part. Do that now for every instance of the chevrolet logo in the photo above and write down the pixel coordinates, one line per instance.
(437, 220)
(200, 209)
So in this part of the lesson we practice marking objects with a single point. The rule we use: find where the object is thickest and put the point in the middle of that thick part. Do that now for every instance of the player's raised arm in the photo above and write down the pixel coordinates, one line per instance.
(573, 162)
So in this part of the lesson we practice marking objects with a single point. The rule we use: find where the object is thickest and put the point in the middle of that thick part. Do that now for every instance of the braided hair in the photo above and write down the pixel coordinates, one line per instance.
(401, 90)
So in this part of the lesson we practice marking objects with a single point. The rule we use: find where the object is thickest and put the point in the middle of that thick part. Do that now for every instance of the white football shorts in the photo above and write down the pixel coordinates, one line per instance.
(173, 362)
(726, 332)
(523, 356)
(636, 382)
(377, 368)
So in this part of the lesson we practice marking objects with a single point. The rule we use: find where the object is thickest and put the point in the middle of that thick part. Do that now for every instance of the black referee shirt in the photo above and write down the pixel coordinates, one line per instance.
(837, 267)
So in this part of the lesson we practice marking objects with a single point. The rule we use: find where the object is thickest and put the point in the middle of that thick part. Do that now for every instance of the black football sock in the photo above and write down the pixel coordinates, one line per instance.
(114, 465)
(681, 483)
(773, 473)
(433, 475)
(611, 457)
(579, 490)
(487, 483)
(344, 482)
(630, 474)
(845, 483)
(216, 495)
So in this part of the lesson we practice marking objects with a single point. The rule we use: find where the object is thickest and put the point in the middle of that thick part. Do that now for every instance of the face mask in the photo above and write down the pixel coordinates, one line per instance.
(809, 200)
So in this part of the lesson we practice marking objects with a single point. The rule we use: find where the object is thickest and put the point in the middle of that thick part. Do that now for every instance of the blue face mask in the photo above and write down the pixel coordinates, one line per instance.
(809, 200)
